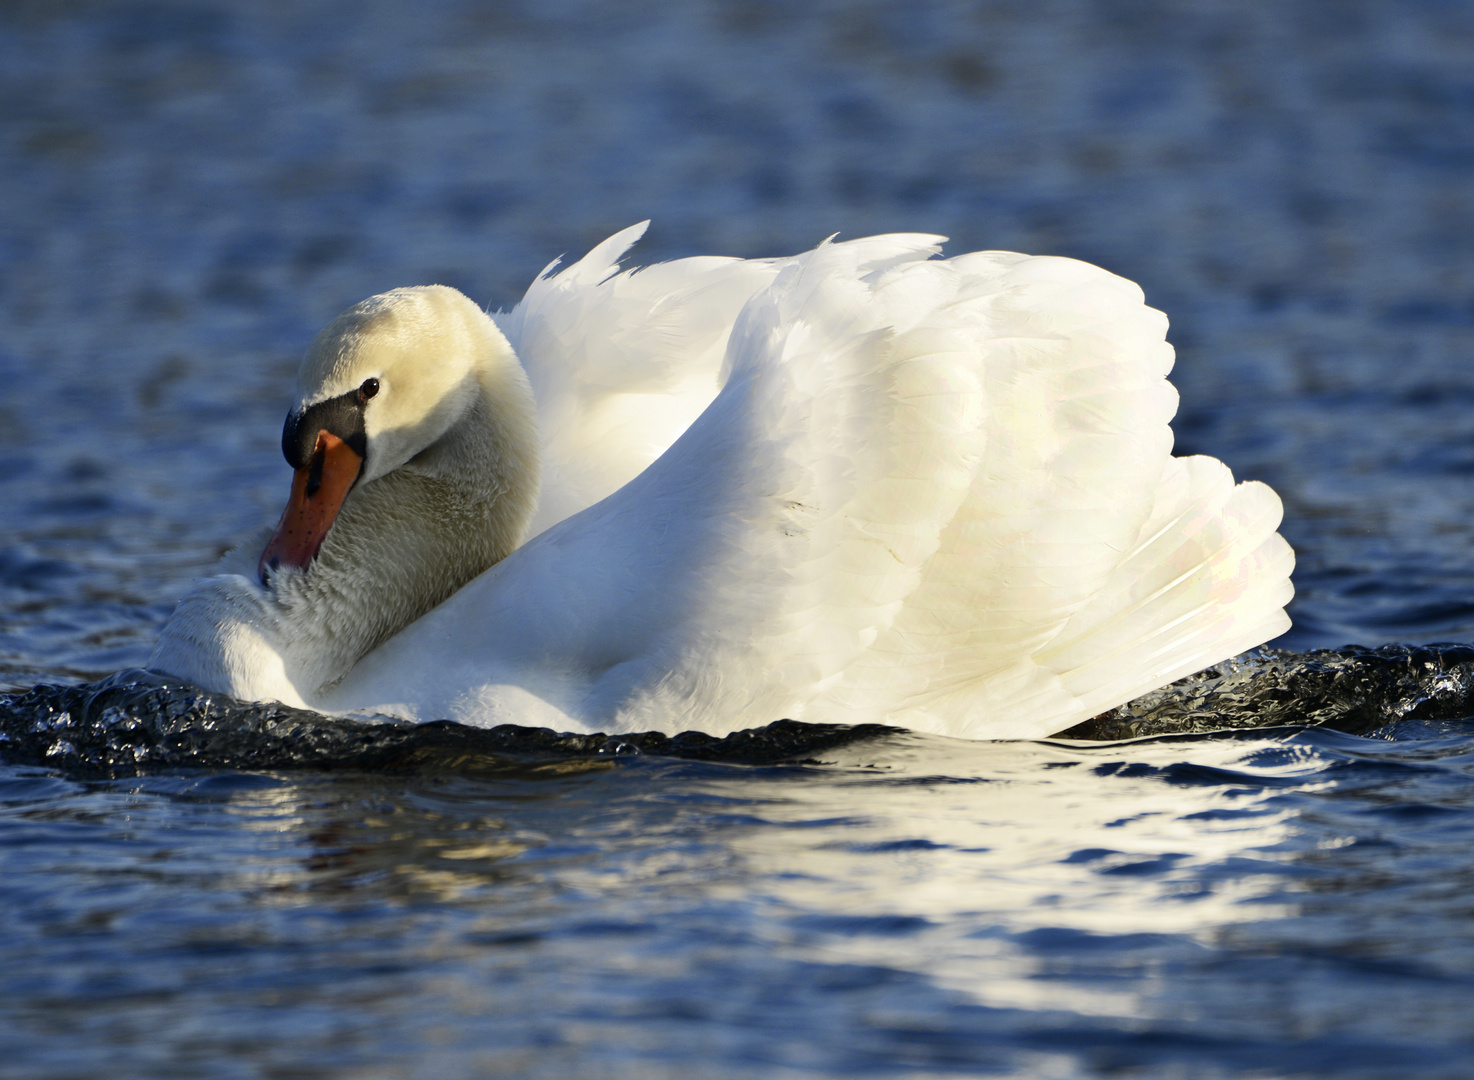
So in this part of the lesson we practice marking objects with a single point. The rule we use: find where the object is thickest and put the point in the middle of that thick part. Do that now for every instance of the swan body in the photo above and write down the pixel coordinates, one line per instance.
(859, 484)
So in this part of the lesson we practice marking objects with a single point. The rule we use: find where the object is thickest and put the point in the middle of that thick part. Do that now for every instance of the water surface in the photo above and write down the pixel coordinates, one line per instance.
(189, 191)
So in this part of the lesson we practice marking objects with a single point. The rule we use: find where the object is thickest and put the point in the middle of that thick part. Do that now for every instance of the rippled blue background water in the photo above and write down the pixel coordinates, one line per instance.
(188, 191)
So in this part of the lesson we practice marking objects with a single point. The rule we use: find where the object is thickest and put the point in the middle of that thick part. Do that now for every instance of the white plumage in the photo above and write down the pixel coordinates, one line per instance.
(860, 484)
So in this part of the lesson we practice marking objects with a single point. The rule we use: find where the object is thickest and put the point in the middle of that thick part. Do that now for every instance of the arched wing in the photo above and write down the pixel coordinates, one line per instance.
(621, 362)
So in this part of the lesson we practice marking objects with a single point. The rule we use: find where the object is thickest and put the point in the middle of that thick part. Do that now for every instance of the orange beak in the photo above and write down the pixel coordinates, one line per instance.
(318, 491)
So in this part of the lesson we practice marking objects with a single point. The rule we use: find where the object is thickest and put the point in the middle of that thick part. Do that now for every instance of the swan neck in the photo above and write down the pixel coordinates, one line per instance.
(408, 540)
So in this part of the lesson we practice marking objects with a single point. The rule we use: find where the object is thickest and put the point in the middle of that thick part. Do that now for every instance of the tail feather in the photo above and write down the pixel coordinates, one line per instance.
(1209, 578)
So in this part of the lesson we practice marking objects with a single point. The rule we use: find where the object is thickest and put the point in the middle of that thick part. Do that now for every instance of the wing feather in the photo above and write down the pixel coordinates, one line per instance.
(621, 362)
(938, 493)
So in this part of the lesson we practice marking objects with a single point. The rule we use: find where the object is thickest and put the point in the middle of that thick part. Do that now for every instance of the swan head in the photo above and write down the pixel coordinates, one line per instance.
(414, 445)
(380, 384)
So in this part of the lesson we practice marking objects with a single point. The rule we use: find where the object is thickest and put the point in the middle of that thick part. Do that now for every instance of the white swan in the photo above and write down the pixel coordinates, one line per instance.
(859, 484)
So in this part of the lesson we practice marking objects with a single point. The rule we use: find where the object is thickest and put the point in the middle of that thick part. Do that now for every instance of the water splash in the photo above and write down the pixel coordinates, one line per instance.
(1356, 690)
(138, 721)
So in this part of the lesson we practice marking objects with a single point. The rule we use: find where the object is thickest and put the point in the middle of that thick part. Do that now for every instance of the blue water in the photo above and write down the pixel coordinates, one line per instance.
(188, 191)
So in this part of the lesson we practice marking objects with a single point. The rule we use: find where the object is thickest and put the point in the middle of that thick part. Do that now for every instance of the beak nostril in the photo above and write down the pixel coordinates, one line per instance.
(314, 469)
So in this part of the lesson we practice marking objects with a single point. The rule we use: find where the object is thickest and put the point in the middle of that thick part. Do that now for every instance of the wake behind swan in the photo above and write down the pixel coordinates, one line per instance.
(861, 484)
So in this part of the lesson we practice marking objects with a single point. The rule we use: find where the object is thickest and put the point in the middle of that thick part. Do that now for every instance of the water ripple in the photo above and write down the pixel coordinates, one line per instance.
(137, 721)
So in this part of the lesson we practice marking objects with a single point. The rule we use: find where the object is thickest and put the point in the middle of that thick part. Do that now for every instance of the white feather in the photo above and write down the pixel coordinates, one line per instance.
(938, 494)
(860, 484)
(621, 363)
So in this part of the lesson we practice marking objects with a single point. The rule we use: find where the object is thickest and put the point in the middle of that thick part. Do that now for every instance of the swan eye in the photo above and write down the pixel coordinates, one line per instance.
(369, 388)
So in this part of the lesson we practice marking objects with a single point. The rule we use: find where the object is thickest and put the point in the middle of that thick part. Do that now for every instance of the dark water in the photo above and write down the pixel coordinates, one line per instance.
(191, 889)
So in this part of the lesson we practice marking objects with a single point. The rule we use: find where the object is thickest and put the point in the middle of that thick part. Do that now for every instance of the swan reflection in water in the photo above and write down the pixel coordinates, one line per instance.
(1018, 875)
